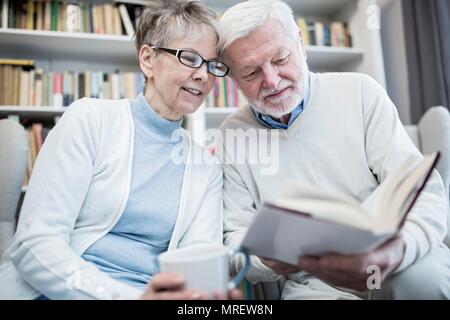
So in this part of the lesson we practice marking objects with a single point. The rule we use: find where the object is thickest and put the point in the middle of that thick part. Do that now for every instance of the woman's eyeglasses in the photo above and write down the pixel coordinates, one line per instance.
(194, 60)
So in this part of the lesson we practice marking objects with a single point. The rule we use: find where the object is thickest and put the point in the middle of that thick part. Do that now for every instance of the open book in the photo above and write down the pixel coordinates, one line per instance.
(307, 220)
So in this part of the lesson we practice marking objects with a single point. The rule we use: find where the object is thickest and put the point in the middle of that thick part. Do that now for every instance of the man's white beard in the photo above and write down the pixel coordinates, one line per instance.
(286, 103)
(284, 106)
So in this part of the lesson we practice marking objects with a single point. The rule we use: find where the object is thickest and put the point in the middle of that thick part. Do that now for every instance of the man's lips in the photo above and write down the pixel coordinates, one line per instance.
(276, 94)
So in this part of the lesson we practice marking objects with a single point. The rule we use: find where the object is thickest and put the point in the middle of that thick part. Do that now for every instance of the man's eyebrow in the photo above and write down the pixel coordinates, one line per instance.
(247, 67)
(282, 50)
(195, 51)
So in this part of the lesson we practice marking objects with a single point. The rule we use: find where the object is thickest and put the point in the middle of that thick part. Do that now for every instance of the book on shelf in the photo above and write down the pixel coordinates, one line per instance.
(36, 134)
(17, 62)
(308, 220)
(4, 14)
(113, 18)
(32, 86)
(317, 33)
(130, 12)
(224, 94)
(126, 20)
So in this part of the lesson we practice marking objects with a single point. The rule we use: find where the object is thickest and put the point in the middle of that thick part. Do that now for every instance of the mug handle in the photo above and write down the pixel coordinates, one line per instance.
(241, 274)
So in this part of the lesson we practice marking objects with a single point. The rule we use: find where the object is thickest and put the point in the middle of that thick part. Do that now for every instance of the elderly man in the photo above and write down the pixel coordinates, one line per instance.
(335, 130)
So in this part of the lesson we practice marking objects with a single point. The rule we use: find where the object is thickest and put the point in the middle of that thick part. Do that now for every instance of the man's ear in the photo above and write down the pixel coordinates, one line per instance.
(146, 59)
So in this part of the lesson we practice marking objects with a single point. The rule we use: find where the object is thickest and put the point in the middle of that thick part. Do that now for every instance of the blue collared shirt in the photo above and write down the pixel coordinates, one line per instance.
(270, 122)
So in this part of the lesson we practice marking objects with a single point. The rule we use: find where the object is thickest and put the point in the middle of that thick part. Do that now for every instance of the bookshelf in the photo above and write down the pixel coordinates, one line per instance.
(54, 45)
(60, 51)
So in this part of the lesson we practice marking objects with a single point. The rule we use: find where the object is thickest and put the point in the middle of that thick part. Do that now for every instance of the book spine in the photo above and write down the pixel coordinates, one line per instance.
(23, 101)
(65, 89)
(30, 15)
(39, 15)
(51, 82)
(38, 87)
(117, 22)
(126, 20)
(2, 85)
(73, 20)
(31, 88)
(81, 85)
(54, 14)
(108, 18)
(11, 15)
(58, 90)
(47, 16)
(5, 13)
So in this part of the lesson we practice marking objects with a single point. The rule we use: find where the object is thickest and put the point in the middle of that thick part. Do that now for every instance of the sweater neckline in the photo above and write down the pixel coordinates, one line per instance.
(150, 123)
(306, 108)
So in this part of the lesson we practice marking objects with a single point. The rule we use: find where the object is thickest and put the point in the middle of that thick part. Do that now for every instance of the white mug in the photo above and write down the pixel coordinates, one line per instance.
(204, 267)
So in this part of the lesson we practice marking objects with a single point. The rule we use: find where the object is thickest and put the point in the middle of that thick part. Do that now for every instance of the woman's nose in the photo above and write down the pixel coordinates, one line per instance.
(201, 73)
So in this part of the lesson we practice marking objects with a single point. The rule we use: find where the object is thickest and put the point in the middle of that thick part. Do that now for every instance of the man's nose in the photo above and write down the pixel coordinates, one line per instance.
(271, 78)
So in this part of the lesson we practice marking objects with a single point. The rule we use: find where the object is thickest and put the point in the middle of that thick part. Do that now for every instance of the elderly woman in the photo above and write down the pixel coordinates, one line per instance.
(109, 192)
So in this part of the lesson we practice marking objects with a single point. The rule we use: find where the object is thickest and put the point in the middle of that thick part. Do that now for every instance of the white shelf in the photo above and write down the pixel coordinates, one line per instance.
(66, 46)
(323, 58)
(305, 7)
(220, 110)
(112, 49)
(35, 113)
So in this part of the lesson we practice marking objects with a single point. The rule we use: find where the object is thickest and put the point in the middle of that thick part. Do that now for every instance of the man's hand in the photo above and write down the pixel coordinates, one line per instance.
(170, 286)
(351, 271)
(280, 267)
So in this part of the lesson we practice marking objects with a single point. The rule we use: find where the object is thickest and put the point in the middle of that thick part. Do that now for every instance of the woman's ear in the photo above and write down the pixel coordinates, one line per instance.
(146, 59)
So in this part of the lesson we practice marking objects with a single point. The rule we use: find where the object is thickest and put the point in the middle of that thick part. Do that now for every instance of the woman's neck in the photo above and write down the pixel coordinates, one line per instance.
(160, 108)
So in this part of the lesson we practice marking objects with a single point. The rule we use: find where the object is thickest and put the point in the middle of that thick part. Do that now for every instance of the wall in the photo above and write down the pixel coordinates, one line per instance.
(394, 51)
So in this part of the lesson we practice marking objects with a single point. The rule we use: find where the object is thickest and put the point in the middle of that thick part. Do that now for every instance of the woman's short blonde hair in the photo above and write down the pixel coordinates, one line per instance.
(166, 20)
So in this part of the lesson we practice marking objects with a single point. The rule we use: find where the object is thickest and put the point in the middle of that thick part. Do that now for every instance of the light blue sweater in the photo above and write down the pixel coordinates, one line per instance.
(129, 251)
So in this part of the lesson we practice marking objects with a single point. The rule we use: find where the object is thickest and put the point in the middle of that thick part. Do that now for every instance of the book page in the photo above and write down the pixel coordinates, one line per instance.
(325, 204)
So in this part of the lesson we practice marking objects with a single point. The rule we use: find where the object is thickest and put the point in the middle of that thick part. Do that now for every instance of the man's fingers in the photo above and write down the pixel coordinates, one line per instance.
(280, 267)
(167, 281)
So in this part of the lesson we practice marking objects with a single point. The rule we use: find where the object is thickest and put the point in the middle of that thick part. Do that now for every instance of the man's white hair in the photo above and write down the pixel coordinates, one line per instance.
(243, 18)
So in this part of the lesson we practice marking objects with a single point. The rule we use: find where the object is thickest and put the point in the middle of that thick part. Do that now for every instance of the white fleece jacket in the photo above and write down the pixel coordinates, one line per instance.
(348, 138)
(78, 191)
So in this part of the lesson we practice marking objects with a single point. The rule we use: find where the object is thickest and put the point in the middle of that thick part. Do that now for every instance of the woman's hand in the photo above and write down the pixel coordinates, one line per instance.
(170, 286)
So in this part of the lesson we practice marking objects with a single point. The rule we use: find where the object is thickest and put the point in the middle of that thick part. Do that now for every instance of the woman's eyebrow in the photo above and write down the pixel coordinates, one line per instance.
(195, 51)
